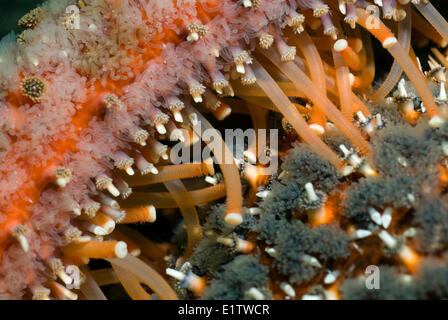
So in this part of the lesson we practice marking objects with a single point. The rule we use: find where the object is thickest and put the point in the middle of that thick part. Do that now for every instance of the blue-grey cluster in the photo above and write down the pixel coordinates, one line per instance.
(408, 160)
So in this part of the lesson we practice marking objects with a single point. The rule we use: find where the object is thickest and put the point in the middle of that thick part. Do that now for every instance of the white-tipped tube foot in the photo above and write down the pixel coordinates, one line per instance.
(233, 219)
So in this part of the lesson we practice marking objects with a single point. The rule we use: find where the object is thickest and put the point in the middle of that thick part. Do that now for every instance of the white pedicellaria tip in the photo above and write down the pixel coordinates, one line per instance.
(340, 45)
(256, 294)
(342, 8)
(263, 194)
(312, 196)
(442, 93)
(288, 289)
(310, 260)
(347, 170)
(160, 128)
(379, 121)
(389, 42)
(331, 277)
(436, 122)
(113, 190)
(387, 217)
(369, 128)
(130, 171)
(355, 160)
(62, 182)
(254, 211)
(387, 239)
(271, 251)
(361, 116)
(193, 36)
(317, 129)
(233, 219)
(211, 180)
(367, 170)
(360, 234)
(375, 216)
(402, 88)
(178, 116)
(175, 274)
(344, 149)
(23, 242)
(445, 148)
(121, 249)
(386, 221)
(411, 232)
(314, 262)
(247, 3)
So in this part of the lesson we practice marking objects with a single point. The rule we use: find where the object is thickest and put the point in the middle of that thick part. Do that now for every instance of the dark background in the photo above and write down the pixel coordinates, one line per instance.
(12, 10)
